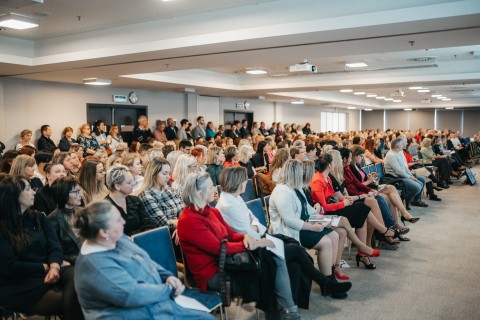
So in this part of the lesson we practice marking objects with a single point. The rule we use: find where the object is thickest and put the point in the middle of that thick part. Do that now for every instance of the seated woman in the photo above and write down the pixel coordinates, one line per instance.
(387, 200)
(65, 160)
(44, 201)
(185, 165)
(133, 162)
(34, 278)
(116, 279)
(24, 166)
(162, 204)
(430, 158)
(260, 159)
(241, 219)
(245, 154)
(343, 229)
(276, 168)
(231, 156)
(92, 181)
(25, 139)
(101, 155)
(67, 140)
(369, 155)
(120, 184)
(215, 159)
(357, 213)
(199, 155)
(68, 195)
(201, 230)
(86, 140)
(114, 137)
(99, 134)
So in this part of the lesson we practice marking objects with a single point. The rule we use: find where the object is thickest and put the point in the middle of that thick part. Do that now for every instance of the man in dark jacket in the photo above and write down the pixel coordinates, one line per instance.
(171, 130)
(244, 129)
(45, 143)
(142, 132)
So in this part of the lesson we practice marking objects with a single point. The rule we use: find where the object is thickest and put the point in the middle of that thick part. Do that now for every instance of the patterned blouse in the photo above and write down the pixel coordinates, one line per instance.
(87, 143)
(162, 205)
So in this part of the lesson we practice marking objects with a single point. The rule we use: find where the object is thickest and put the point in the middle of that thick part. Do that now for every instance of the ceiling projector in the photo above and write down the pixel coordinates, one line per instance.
(398, 93)
(303, 67)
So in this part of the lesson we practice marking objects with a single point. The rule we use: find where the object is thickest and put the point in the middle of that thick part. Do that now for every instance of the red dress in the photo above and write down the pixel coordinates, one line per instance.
(201, 233)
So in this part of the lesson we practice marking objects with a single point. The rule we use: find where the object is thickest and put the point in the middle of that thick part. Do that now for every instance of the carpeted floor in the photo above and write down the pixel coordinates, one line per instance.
(433, 277)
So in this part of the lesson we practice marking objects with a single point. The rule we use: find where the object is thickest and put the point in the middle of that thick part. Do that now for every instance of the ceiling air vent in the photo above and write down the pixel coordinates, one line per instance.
(19, 3)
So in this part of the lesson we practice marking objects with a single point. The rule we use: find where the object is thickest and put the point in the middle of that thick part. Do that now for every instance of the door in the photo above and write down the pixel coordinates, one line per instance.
(230, 116)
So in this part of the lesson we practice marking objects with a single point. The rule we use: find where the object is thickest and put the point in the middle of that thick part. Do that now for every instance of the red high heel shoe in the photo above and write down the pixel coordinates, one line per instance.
(338, 275)
(375, 253)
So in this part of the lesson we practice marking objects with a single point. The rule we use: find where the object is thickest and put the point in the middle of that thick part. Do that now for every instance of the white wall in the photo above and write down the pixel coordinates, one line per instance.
(262, 110)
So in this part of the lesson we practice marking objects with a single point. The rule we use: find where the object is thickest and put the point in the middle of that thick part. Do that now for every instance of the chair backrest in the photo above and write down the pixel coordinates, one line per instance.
(158, 245)
(419, 154)
(257, 209)
(219, 190)
(365, 170)
(212, 204)
(249, 193)
(380, 170)
(372, 168)
(267, 202)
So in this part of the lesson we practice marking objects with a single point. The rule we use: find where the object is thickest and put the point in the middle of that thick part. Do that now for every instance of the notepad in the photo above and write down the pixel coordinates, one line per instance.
(190, 303)
(325, 220)
(279, 250)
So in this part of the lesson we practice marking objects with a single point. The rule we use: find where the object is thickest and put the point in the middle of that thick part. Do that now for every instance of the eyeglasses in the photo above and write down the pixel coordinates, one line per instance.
(75, 192)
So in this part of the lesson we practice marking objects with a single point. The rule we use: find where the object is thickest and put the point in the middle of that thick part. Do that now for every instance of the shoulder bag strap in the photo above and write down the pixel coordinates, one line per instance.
(224, 278)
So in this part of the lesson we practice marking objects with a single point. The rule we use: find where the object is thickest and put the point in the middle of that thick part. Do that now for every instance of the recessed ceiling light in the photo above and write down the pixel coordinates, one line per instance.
(346, 90)
(408, 109)
(449, 108)
(256, 71)
(371, 95)
(397, 100)
(447, 99)
(97, 81)
(388, 99)
(436, 95)
(356, 65)
(380, 97)
(441, 97)
(359, 93)
(17, 21)
(415, 88)
(351, 108)
(368, 109)
(423, 90)
(298, 102)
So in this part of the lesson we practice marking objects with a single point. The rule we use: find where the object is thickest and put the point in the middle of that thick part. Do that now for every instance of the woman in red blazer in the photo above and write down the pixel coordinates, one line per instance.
(357, 213)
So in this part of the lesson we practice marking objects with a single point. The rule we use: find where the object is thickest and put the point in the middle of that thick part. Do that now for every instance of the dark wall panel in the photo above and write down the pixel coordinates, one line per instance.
(421, 119)
(471, 122)
(449, 119)
(372, 119)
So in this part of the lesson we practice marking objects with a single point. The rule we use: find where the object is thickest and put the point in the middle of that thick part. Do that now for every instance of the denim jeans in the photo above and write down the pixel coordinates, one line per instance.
(386, 213)
(282, 289)
(414, 189)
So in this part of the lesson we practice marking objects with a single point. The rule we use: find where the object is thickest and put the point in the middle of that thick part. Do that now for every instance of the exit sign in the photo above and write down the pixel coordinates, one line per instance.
(119, 98)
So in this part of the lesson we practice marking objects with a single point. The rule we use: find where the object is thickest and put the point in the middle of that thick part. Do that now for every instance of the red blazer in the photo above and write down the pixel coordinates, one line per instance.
(201, 233)
(354, 187)
(321, 191)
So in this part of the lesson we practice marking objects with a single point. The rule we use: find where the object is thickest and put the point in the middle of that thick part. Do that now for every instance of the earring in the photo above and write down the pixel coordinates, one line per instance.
(107, 238)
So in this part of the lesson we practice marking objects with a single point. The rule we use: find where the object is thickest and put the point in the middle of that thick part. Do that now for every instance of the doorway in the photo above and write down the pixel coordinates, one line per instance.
(125, 116)
(230, 116)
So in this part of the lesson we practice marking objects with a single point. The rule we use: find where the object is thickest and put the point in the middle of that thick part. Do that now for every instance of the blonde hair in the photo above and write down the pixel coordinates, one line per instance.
(20, 163)
(180, 173)
(152, 154)
(337, 163)
(129, 159)
(152, 169)
(80, 129)
(279, 159)
(427, 142)
(212, 154)
(116, 175)
(308, 172)
(245, 153)
(172, 158)
(112, 159)
(293, 174)
(243, 142)
(196, 188)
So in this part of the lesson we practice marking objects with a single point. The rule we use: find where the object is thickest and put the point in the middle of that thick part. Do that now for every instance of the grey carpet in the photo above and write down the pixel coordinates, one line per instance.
(433, 277)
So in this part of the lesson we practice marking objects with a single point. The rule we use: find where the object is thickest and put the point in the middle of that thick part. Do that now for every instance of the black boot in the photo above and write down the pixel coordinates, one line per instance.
(330, 286)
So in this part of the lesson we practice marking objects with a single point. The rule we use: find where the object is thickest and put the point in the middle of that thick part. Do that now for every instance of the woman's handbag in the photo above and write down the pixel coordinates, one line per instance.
(242, 261)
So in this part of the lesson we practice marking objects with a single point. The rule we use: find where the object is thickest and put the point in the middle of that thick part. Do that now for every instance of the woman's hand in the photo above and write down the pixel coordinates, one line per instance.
(347, 201)
(318, 207)
(52, 276)
(249, 242)
(176, 284)
(65, 263)
(317, 227)
(264, 243)
(175, 237)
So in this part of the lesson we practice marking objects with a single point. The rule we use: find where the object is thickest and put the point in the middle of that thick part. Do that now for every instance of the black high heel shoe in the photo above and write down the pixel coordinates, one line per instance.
(369, 266)
(412, 220)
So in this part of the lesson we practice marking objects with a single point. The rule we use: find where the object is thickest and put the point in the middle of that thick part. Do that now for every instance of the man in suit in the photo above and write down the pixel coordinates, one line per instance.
(171, 130)
(262, 129)
(244, 129)
(142, 132)
(232, 133)
(45, 143)
(273, 131)
(199, 130)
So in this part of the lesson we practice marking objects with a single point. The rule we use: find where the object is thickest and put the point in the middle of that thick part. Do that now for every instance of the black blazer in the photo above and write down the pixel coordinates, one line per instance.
(260, 160)
(64, 144)
(171, 132)
(244, 132)
(46, 144)
(44, 200)
(70, 242)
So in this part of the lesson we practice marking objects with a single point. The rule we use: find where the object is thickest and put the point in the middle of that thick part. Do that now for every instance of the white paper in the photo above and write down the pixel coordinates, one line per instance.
(279, 250)
(325, 220)
(190, 303)
(261, 229)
